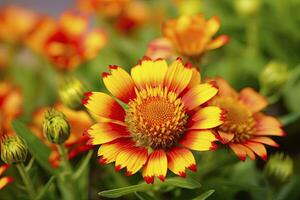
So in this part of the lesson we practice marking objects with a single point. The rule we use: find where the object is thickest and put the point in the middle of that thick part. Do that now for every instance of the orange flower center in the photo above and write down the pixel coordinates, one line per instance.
(156, 118)
(239, 119)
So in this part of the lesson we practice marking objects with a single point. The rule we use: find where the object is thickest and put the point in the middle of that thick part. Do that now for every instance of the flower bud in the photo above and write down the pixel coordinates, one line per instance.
(189, 7)
(273, 78)
(56, 126)
(279, 168)
(71, 93)
(247, 7)
(13, 150)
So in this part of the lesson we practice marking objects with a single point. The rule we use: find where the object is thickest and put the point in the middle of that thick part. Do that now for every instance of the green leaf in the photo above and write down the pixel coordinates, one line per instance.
(205, 195)
(144, 196)
(83, 165)
(35, 146)
(187, 183)
(115, 193)
(45, 189)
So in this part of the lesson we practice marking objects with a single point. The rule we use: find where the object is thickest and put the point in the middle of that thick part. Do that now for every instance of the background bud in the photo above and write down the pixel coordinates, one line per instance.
(71, 93)
(13, 150)
(273, 78)
(56, 126)
(247, 7)
(279, 168)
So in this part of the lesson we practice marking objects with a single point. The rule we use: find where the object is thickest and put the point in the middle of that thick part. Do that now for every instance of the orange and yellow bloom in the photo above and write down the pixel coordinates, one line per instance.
(71, 43)
(189, 36)
(4, 180)
(76, 143)
(165, 116)
(246, 129)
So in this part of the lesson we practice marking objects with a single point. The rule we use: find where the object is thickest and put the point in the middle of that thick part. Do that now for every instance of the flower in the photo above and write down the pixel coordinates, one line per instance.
(56, 126)
(76, 144)
(10, 105)
(4, 180)
(246, 130)
(71, 43)
(165, 116)
(13, 149)
(15, 22)
(191, 36)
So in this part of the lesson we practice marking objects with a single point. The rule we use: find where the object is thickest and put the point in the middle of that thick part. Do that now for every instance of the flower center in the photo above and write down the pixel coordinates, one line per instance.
(156, 118)
(239, 119)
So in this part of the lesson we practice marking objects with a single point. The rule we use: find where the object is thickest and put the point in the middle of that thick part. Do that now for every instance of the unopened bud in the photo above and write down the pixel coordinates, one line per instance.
(71, 93)
(247, 7)
(273, 78)
(189, 7)
(279, 168)
(56, 126)
(13, 150)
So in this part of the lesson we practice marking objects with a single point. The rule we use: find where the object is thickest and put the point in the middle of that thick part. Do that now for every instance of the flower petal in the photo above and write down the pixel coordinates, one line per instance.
(265, 140)
(179, 159)
(149, 73)
(4, 181)
(106, 132)
(198, 95)
(266, 125)
(133, 158)
(254, 101)
(199, 140)
(178, 76)
(225, 137)
(213, 25)
(156, 166)
(224, 87)
(207, 117)
(258, 148)
(217, 42)
(104, 106)
(242, 151)
(119, 83)
(108, 152)
(3, 168)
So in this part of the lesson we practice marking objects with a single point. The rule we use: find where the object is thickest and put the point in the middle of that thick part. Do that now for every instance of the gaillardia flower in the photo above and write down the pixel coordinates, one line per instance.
(245, 129)
(4, 180)
(164, 117)
(191, 36)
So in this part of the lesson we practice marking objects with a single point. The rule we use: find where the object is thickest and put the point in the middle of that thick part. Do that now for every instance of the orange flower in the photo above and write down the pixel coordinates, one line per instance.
(164, 117)
(4, 180)
(15, 23)
(191, 36)
(76, 144)
(107, 8)
(71, 43)
(10, 105)
(246, 130)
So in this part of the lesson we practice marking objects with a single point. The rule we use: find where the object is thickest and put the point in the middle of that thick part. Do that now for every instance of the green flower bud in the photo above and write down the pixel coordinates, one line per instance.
(56, 126)
(247, 7)
(71, 93)
(13, 150)
(273, 78)
(279, 169)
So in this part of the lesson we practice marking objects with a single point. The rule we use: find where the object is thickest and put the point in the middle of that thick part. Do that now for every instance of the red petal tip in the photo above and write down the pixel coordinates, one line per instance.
(89, 142)
(10, 179)
(193, 167)
(105, 74)
(146, 58)
(214, 84)
(149, 179)
(128, 173)
(188, 65)
(118, 168)
(179, 59)
(264, 157)
(213, 147)
(182, 174)
(162, 178)
(112, 67)
(102, 161)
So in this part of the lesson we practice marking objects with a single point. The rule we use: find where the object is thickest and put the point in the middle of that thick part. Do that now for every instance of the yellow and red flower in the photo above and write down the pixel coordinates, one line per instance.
(246, 130)
(4, 180)
(71, 43)
(165, 116)
(192, 36)
(15, 22)
(76, 144)
(10, 105)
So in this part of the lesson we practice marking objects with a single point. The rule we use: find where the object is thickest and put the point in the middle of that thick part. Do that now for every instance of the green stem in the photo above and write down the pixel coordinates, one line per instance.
(26, 179)
(64, 158)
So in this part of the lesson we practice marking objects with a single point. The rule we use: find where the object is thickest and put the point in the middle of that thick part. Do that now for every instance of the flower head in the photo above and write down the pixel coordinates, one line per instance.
(191, 36)
(246, 130)
(4, 180)
(56, 126)
(13, 149)
(71, 43)
(165, 116)
(76, 143)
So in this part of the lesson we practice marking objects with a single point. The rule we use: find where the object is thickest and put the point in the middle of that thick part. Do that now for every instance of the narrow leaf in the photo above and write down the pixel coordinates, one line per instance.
(205, 195)
(45, 189)
(115, 193)
(187, 183)
(83, 165)
(35, 146)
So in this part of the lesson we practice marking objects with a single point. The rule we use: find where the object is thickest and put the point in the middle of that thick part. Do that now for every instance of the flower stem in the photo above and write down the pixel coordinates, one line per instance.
(26, 179)
(64, 158)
